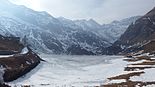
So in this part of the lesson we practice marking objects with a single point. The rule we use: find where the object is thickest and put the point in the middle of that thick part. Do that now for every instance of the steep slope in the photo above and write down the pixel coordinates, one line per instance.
(88, 24)
(138, 34)
(114, 30)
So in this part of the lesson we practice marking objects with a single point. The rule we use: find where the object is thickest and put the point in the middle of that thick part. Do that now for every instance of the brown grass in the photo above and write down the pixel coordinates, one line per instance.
(134, 59)
(145, 63)
(136, 68)
(131, 60)
(129, 84)
(126, 76)
(144, 58)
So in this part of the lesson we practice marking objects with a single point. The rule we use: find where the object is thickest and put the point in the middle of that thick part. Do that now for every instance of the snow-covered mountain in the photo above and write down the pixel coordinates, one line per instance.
(110, 32)
(47, 34)
(88, 24)
(114, 30)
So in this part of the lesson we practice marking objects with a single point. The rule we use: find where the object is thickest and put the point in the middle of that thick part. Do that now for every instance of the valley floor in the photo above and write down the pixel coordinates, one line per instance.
(91, 71)
(72, 71)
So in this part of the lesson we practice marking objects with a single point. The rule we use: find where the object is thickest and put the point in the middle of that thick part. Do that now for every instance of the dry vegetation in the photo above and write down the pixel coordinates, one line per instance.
(145, 64)
(126, 76)
(129, 84)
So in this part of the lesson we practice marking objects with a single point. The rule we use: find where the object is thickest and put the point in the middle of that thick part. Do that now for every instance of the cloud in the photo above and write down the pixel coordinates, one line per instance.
(103, 11)
(118, 9)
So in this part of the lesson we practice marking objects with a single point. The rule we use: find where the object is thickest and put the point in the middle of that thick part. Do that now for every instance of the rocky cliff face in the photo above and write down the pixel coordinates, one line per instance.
(15, 59)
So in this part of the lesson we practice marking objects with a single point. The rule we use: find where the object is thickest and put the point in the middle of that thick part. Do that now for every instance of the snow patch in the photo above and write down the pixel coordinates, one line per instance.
(148, 76)
(5, 56)
(1, 73)
(24, 50)
(116, 81)
(27, 62)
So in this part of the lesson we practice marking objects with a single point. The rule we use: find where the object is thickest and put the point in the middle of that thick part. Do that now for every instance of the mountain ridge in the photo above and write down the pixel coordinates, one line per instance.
(139, 34)
(44, 33)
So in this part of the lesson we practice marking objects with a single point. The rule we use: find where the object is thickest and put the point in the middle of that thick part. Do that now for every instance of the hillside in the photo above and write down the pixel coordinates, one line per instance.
(139, 35)
(15, 59)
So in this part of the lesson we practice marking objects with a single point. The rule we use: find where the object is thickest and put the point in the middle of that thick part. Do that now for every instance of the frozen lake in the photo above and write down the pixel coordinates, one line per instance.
(69, 71)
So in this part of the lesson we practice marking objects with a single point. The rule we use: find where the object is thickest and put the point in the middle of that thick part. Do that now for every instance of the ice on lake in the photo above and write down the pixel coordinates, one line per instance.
(69, 71)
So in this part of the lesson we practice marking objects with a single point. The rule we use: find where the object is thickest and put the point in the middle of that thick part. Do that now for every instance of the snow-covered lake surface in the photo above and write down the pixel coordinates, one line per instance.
(69, 71)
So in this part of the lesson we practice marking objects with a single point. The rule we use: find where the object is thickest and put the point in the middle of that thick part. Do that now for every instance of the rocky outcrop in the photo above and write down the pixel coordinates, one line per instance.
(10, 45)
(18, 65)
(21, 60)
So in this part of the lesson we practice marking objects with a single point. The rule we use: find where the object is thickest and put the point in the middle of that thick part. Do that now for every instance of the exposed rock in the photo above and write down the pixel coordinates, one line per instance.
(19, 62)
(10, 45)
(18, 65)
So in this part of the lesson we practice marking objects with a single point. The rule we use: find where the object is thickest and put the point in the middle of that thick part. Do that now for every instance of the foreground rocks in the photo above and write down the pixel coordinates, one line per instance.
(18, 59)
(18, 65)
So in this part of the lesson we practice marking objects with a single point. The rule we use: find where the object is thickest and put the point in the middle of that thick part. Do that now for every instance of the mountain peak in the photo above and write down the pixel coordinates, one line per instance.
(62, 18)
(92, 21)
(45, 14)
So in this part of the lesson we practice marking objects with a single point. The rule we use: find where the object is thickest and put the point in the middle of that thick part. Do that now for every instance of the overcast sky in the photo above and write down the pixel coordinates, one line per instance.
(103, 11)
